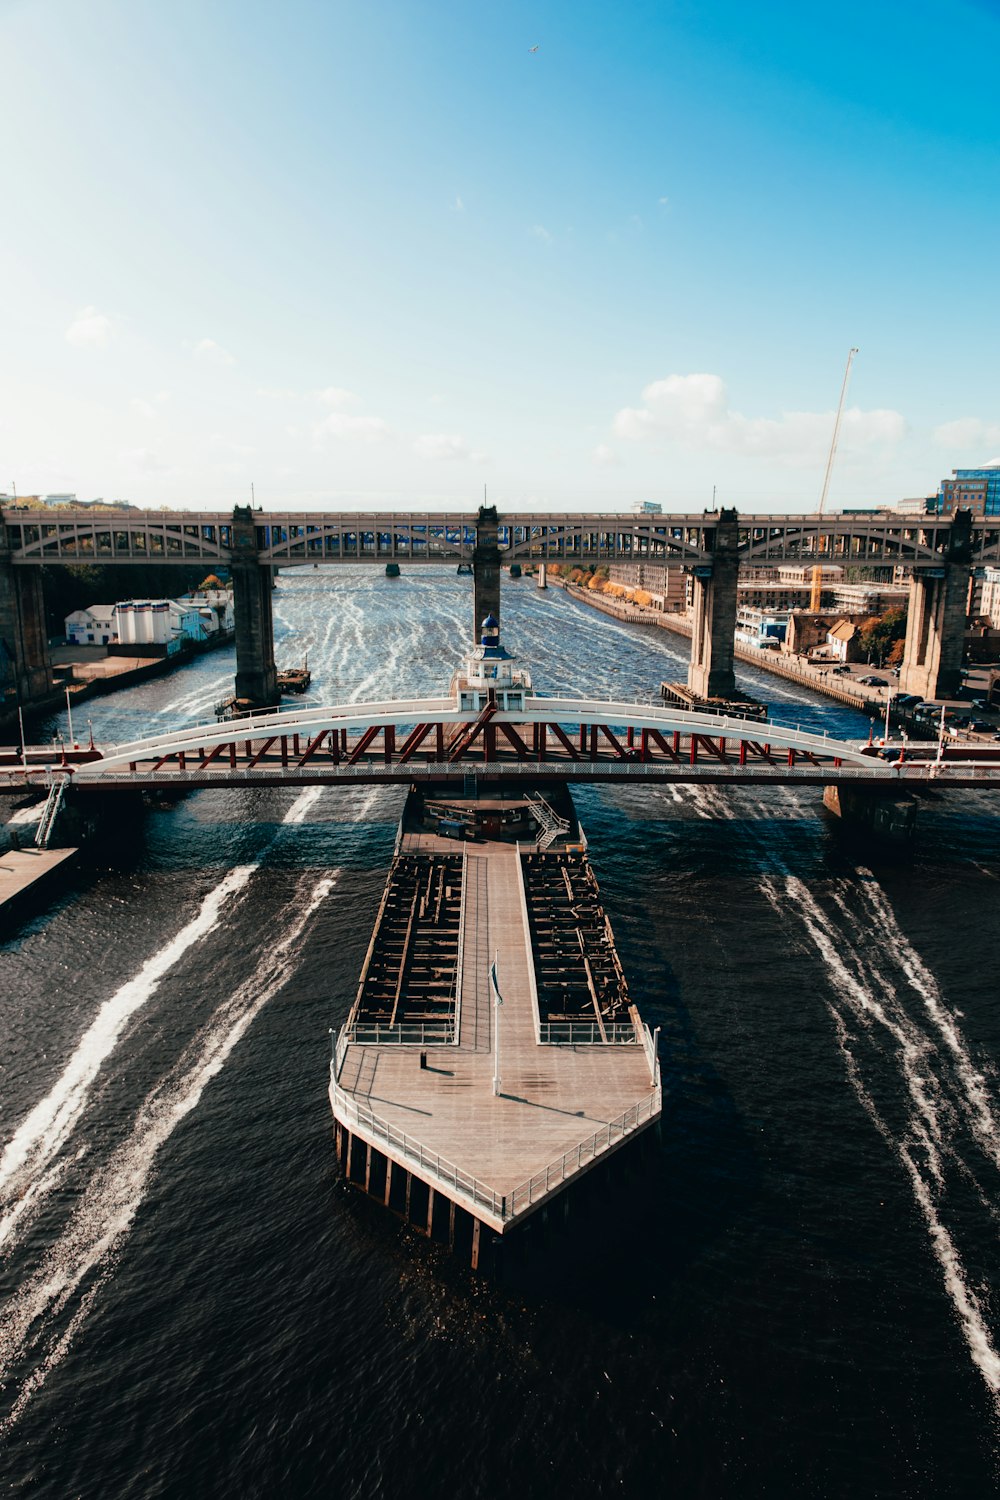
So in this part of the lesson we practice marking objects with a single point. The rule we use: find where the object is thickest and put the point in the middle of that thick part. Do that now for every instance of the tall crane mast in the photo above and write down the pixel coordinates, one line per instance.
(815, 599)
(836, 430)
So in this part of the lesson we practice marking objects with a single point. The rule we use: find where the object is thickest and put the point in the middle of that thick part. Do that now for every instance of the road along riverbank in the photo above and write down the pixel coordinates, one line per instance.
(817, 678)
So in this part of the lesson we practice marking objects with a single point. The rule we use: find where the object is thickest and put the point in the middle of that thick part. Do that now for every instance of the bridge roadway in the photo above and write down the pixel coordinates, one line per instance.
(288, 539)
(571, 739)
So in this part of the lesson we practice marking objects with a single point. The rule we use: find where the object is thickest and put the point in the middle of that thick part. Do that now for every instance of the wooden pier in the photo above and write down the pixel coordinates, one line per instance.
(427, 1119)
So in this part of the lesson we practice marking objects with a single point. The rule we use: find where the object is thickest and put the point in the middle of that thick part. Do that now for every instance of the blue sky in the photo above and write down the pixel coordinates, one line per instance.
(382, 253)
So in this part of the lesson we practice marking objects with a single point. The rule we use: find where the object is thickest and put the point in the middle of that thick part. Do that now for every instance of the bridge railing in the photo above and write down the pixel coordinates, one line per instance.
(569, 712)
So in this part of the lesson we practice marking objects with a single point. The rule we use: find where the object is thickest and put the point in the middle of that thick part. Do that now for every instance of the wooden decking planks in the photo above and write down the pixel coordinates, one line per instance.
(552, 1099)
(21, 869)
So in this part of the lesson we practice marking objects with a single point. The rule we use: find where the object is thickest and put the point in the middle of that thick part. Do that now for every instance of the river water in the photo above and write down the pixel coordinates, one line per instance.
(194, 1304)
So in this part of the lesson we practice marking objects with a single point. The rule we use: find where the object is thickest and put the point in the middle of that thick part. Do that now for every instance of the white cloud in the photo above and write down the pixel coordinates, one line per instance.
(967, 432)
(221, 444)
(142, 408)
(89, 327)
(446, 445)
(141, 460)
(212, 353)
(458, 206)
(663, 202)
(340, 424)
(694, 409)
(539, 232)
(336, 397)
(604, 455)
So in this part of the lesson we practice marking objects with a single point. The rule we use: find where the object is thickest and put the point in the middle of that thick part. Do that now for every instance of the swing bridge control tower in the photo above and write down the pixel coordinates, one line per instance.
(493, 1057)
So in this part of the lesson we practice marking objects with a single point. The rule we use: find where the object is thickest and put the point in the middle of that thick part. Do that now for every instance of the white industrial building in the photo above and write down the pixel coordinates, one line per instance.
(96, 626)
(157, 623)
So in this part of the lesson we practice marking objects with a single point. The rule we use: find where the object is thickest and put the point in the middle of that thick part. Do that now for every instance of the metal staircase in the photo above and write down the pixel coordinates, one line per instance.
(50, 812)
(551, 824)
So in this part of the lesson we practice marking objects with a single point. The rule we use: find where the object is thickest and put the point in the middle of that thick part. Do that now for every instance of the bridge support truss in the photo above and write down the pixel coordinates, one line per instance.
(710, 673)
(25, 666)
(485, 569)
(935, 626)
(256, 674)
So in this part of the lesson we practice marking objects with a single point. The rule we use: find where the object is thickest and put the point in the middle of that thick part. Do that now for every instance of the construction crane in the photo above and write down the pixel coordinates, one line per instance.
(836, 430)
(816, 592)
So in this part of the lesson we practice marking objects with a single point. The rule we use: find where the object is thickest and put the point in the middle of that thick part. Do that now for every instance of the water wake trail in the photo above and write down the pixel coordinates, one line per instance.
(982, 1115)
(84, 1255)
(43, 1132)
(866, 1007)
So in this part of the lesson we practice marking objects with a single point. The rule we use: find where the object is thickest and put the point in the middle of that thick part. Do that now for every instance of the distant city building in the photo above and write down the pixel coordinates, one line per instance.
(989, 601)
(868, 598)
(762, 628)
(667, 587)
(842, 641)
(977, 490)
(920, 505)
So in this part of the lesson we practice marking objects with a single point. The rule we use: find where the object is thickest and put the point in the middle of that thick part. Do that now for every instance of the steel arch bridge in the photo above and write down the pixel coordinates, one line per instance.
(571, 739)
(38, 538)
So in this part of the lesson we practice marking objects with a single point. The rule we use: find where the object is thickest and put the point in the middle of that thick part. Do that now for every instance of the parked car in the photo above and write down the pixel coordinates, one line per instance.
(841, 670)
(980, 726)
(908, 701)
(873, 682)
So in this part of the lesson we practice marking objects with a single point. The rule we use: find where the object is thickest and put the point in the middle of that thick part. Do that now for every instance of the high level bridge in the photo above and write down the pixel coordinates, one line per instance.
(938, 552)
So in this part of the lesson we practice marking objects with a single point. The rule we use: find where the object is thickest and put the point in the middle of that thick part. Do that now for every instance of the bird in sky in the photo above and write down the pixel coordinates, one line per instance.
(534, 48)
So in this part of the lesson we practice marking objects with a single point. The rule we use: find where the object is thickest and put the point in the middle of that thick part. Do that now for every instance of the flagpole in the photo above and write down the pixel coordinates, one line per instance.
(496, 1027)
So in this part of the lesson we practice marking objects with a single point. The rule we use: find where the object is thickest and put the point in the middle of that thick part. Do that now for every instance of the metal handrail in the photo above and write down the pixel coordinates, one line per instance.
(573, 1160)
(504, 1206)
(588, 1034)
(445, 1171)
(405, 1033)
(460, 955)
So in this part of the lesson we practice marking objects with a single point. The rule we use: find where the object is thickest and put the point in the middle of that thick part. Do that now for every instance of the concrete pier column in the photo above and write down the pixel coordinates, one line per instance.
(485, 569)
(543, 581)
(256, 674)
(935, 624)
(25, 667)
(710, 674)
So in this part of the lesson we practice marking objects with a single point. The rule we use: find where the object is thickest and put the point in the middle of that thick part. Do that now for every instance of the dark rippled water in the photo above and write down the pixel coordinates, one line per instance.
(193, 1304)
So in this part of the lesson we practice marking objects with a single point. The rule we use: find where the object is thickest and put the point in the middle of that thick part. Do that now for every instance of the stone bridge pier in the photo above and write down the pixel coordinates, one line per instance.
(485, 569)
(25, 666)
(935, 626)
(256, 674)
(713, 632)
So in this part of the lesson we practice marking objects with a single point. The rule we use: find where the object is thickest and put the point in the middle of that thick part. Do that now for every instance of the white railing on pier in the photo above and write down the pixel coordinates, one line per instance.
(502, 1206)
(588, 1034)
(460, 956)
(404, 1033)
(578, 1157)
(438, 1167)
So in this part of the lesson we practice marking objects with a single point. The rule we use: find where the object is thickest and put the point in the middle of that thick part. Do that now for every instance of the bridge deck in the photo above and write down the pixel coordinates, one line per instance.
(552, 1098)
